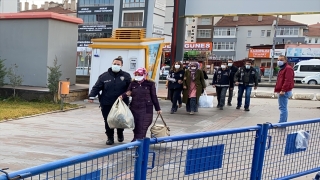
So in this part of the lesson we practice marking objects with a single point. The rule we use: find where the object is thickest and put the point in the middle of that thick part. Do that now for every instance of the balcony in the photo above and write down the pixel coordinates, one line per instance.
(133, 5)
(132, 23)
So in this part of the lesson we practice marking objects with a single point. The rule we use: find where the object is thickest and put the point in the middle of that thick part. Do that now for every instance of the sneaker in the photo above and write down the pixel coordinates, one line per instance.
(218, 106)
(180, 105)
(172, 111)
(246, 109)
(191, 113)
(110, 142)
(238, 107)
(229, 104)
(221, 108)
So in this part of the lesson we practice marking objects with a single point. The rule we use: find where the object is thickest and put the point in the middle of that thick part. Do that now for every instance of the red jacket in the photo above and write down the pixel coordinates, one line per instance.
(285, 80)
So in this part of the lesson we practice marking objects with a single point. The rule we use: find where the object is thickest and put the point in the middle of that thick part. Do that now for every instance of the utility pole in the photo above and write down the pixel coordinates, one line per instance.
(273, 49)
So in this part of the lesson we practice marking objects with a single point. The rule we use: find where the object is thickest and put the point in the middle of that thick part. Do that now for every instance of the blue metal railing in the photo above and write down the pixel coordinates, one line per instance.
(265, 151)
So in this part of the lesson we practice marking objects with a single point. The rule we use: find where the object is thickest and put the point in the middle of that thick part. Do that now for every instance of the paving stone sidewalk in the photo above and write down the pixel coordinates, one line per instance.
(33, 141)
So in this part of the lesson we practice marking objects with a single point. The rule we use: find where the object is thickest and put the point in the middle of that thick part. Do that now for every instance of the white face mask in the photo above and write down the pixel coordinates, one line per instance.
(229, 64)
(280, 63)
(138, 78)
(193, 68)
(177, 66)
(248, 66)
(115, 68)
(223, 66)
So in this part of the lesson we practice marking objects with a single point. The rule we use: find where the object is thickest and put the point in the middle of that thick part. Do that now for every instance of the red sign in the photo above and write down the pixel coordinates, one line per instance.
(201, 46)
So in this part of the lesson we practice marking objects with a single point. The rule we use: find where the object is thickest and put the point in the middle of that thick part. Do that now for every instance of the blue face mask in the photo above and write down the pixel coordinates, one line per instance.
(280, 63)
(248, 66)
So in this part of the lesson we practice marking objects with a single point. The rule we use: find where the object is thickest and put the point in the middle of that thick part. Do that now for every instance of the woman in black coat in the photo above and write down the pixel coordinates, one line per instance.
(175, 85)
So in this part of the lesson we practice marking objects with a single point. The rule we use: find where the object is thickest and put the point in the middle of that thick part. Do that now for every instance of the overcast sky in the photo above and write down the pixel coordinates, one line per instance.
(307, 19)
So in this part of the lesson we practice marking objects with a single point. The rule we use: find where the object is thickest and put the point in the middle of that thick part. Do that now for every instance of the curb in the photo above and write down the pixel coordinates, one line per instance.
(41, 114)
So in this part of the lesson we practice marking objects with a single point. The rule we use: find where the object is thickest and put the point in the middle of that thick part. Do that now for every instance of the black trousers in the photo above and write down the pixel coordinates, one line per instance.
(109, 132)
(175, 97)
(221, 95)
(230, 96)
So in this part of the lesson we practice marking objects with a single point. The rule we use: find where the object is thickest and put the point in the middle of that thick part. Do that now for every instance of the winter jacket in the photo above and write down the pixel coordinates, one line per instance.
(246, 77)
(285, 80)
(199, 81)
(173, 78)
(233, 71)
(112, 86)
(222, 78)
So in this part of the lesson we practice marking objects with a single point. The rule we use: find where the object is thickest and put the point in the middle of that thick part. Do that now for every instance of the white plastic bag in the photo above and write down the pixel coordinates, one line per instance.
(120, 116)
(302, 139)
(205, 101)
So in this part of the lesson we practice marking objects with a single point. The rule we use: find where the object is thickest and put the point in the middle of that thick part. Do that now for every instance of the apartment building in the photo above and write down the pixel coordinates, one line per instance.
(233, 36)
(313, 34)
(65, 8)
(9, 6)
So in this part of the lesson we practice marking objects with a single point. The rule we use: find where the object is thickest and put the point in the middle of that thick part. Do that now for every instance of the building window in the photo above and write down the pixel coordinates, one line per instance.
(205, 21)
(263, 32)
(309, 41)
(204, 33)
(95, 3)
(97, 18)
(89, 36)
(249, 33)
(224, 31)
(224, 57)
(189, 33)
(132, 19)
(268, 33)
(288, 31)
(133, 3)
(223, 46)
(316, 40)
(191, 20)
(248, 46)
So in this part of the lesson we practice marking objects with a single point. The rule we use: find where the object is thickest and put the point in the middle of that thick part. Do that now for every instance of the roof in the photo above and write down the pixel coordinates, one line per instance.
(57, 9)
(315, 25)
(227, 21)
(41, 15)
(313, 32)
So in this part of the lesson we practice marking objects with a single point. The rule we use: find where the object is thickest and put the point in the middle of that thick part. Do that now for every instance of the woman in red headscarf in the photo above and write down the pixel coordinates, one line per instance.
(144, 98)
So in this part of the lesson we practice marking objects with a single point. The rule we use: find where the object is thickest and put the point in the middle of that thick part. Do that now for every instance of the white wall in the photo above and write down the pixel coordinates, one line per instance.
(8, 6)
(156, 18)
(312, 40)
(255, 39)
(168, 24)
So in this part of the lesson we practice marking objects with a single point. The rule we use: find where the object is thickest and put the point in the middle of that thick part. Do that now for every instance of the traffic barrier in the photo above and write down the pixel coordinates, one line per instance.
(266, 151)
(318, 96)
(303, 96)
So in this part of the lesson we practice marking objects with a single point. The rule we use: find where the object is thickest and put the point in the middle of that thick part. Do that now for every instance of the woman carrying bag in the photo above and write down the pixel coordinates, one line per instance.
(144, 98)
(193, 86)
(175, 81)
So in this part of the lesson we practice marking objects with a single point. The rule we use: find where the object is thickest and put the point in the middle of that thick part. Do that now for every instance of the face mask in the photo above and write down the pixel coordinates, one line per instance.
(138, 78)
(193, 68)
(248, 66)
(223, 66)
(177, 66)
(229, 64)
(115, 68)
(280, 63)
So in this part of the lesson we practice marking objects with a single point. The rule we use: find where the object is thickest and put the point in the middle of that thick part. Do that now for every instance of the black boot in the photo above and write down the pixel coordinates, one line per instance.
(120, 137)
(110, 141)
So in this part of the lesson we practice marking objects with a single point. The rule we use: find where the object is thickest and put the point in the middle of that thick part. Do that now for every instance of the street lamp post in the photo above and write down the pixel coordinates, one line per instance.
(273, 48)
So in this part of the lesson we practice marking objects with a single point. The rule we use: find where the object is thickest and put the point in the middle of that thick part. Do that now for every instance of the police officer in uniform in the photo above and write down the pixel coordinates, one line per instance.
(246, 78)
(112, 84)
(221, 81)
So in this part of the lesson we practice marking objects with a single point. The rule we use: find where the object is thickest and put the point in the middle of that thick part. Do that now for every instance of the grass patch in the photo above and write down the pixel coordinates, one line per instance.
(10, 109)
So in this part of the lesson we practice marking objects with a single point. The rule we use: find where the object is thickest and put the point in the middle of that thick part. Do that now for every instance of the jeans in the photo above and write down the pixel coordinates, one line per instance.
(230, 95)
(283, 106)
(175, 96)
(109, 132)
(192, 105)
(221, 95)
(241, 89)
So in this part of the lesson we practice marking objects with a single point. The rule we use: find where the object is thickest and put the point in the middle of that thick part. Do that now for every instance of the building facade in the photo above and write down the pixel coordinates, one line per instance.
(313, 34)
(9, 6)
(233, 36)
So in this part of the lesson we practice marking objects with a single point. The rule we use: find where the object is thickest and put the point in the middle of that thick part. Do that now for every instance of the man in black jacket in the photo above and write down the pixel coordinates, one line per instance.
(246, 77)
(221, 81)
(112, 84)
(233, 69)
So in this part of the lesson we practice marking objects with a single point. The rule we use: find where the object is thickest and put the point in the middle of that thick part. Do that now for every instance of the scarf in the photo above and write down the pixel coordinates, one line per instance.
(193, 71)
(142, 72)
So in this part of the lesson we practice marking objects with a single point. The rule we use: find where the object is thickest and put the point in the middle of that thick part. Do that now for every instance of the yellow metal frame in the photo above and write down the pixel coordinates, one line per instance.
(157, 61)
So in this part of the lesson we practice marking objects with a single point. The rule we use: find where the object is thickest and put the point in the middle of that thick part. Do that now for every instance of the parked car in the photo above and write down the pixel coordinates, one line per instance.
(306, 68)
(315, 79)
(164, 72)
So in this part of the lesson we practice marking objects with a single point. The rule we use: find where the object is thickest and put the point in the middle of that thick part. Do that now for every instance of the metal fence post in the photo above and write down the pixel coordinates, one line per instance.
(259, 151)
(144, 168)
(139, 160)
